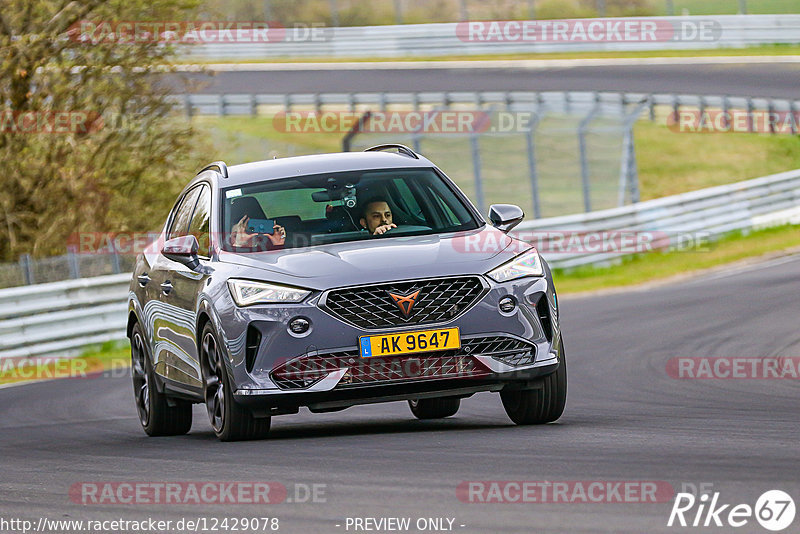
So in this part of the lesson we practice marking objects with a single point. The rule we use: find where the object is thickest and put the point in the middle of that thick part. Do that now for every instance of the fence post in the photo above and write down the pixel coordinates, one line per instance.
(253, 106)
(726, 108)
(532, 9)
(629, 173)
(27, 269)
(670, 8)
(476, 166)
(601, 8)
(72, 261)
(115, 263)
(334, 13)
(771, 116)
(398, 11)
(587, 200)
(187, 105)
(532, 173)
(743, 7)
(221, 105)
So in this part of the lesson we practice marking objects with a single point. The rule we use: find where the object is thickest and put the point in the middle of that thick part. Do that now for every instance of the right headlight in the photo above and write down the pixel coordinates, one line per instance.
(526, 264)
(247, 292)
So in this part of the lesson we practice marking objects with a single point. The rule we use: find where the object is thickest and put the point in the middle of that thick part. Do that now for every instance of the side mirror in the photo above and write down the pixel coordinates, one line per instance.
(504, 217)
(182, 249)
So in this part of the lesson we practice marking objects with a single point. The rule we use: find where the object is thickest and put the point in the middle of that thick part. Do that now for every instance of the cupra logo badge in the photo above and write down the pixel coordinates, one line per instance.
(405, 302)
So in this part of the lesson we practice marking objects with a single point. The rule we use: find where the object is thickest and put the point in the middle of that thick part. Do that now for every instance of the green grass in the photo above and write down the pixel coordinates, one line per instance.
(728, 7)
(671, 163)
(652, 266)
(765, 50)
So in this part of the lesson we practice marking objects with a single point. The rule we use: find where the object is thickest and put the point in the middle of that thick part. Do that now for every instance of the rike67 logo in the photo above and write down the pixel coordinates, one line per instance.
(774, 510)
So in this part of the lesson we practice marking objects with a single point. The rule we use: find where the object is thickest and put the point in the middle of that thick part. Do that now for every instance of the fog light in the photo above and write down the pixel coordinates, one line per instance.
(299, 325)
(507, 304)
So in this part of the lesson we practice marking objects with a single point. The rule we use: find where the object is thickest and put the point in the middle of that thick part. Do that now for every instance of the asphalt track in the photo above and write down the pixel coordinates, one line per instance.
(626, 419)
(776, 80)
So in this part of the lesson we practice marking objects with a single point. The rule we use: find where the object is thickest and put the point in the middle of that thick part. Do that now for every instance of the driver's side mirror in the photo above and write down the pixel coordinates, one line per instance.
(504, 217)
(182, 249)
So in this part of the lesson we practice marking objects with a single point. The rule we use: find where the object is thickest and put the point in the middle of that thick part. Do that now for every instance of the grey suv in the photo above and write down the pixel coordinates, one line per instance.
(334, 280)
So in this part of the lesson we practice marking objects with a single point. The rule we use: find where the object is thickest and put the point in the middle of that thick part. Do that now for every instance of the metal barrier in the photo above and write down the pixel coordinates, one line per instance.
(664, 223)
(256, 105)
(429, 40)
(62, 317)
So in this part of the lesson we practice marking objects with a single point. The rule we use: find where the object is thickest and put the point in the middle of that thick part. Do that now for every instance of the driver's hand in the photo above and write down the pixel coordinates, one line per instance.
(384, 228)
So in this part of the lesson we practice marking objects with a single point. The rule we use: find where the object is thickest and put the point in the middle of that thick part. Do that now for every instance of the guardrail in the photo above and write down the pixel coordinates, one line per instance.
(428, 40)
(665, 222)
(60, 318)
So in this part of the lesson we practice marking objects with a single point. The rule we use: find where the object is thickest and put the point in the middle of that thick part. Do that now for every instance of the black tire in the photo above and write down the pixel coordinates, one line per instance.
(230, 420)
(434, 408)
(158, 415)
(539, 406)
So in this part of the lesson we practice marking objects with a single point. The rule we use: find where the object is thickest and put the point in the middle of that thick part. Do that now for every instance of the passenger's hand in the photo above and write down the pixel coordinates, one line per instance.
(278, 236)
(240, 237)
(384, 228)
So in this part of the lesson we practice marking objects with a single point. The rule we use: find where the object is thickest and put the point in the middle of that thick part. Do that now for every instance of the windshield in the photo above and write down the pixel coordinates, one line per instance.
(338, 207)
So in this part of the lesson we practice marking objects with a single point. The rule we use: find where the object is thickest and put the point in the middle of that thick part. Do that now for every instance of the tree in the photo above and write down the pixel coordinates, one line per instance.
(89, 141)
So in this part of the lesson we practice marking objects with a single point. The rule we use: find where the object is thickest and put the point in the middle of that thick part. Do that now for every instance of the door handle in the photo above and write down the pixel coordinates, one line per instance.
(166, 287)
(143, 279)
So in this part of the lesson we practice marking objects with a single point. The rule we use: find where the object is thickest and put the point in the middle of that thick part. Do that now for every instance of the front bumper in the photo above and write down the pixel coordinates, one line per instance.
(259, 342)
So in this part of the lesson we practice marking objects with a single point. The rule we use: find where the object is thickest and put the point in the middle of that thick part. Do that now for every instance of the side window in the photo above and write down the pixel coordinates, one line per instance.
(180, 221)
(200, 222)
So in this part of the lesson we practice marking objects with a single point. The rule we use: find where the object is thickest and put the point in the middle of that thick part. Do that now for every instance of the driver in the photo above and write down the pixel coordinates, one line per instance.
(376, 216)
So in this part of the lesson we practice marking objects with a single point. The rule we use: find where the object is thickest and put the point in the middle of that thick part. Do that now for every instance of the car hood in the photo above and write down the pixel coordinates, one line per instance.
(380, 259)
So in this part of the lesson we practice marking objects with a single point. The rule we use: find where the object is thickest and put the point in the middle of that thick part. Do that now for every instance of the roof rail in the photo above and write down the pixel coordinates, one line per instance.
(402, 149)
(218, 166)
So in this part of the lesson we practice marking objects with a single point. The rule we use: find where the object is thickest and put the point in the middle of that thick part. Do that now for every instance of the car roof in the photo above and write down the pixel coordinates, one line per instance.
(317, 164)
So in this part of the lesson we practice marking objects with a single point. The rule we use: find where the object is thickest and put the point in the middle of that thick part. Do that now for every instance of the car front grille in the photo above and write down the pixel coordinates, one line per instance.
(305, 371)
(438, 300)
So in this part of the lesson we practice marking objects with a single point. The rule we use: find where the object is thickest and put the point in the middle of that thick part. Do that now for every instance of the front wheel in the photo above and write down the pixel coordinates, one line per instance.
(539, 406)
(230, 421)
(434, 408)
(158, 415)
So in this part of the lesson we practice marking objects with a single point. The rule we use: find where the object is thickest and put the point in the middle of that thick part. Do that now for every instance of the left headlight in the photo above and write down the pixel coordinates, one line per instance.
(526, 264)
(247, 292)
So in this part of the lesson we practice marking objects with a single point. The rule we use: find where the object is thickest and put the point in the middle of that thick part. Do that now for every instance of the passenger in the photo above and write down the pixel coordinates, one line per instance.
(241, 238)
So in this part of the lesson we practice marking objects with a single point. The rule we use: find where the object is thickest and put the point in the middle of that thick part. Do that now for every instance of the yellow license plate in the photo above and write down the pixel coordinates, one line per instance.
(409, 342)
